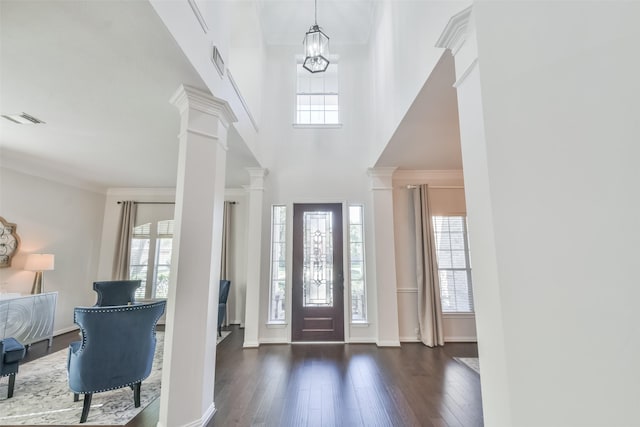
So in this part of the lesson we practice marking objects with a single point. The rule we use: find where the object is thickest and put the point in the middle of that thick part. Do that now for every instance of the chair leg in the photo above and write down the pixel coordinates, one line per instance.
(136, 394)
(76, 397)
(12, 383)
(85, 407)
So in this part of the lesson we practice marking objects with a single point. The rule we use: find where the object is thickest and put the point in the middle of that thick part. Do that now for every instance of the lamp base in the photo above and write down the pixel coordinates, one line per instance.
(37, 287)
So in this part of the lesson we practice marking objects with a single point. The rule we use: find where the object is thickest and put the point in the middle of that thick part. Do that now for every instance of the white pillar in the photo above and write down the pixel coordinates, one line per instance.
(188, 373)
(385, 257)
(459, 37)
(254, 249)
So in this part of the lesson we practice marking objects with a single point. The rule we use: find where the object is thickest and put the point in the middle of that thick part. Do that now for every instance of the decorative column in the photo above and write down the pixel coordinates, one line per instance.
(385, 257)
(254, 244)
(459, 36)
(188, 373)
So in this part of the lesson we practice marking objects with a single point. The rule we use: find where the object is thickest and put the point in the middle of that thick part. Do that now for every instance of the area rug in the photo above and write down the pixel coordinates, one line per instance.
(42, 395)
(471, 362)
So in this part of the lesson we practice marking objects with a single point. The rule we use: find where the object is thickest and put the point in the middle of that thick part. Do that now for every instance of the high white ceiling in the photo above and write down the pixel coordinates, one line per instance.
(100, 74)
(428, 137)
(284, 22)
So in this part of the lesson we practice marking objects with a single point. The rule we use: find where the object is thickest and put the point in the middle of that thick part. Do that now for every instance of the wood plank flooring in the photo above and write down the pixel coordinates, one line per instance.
(334, 385)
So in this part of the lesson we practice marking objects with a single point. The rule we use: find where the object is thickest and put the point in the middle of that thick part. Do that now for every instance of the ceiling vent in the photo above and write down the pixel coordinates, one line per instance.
(23, 119)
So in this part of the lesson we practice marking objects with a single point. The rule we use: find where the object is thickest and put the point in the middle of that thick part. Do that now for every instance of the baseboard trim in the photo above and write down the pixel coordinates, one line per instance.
(251, 344)
(362, 340)
(206, 417)
(388, 343)
(460, 339)
(409, 339)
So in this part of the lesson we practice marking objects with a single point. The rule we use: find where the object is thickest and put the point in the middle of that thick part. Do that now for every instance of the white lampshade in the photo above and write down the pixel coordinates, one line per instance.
(39, 262)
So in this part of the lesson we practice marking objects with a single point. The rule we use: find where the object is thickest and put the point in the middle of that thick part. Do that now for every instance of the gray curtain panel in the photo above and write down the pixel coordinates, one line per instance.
(429, 307)
(123, 241)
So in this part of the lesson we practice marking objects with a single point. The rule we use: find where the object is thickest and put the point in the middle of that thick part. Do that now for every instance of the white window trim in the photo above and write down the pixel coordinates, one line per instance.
(333, 59)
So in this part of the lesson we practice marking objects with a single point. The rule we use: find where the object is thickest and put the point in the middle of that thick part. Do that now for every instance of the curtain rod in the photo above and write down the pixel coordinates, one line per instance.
(162, 203)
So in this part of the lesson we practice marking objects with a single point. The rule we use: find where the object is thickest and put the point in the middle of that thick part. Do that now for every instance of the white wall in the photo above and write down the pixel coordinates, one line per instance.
(447, 198)
(246, 55)
(53, 218)
(197, 41)
(314, 165)
(401, 58)
(557, 170)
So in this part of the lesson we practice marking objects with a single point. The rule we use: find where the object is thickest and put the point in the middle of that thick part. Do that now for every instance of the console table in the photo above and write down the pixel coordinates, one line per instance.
(28, 318)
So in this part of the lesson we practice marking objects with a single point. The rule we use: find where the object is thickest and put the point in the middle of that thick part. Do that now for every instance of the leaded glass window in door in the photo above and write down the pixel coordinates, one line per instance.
(318, 259)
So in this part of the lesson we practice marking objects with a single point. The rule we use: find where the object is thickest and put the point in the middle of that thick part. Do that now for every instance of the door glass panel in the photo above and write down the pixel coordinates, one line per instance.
(318, 259)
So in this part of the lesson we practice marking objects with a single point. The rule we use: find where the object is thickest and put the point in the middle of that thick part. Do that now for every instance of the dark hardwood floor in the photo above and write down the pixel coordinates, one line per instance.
(334, 385)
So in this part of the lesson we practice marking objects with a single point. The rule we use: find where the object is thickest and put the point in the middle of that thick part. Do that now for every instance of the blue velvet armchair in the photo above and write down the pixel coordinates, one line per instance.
(117, 349)
(223, 295)
(11, 353)
(116, 292)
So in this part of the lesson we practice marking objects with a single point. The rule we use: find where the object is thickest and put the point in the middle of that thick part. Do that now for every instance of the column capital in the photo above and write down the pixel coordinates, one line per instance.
(455, 32)
(381, 178)
(256, 176)
(188, 97)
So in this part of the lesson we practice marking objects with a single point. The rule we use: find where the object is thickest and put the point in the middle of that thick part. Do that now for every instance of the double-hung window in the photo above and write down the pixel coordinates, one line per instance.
(317, 96)
(454, 268)
(150, 259)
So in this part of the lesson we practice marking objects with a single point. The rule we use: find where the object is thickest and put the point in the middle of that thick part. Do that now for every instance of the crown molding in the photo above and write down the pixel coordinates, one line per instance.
(428, 175)
(142, 191)
(47, 171)
(455, 32)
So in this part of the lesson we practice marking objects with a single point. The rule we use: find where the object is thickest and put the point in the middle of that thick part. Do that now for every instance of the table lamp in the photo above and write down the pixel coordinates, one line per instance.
(39, 263)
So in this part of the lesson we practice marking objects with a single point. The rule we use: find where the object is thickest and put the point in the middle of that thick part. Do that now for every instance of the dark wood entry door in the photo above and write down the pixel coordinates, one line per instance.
(318, 279)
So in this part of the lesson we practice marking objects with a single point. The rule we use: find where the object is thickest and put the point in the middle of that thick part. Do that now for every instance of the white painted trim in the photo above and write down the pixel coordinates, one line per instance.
(461, 339)
(459, 315)
(155, 192)
(251, 344)
(317, 126)
(65, 330)
(317, 342)
(273, 325)
(388, 343)
(188, 97)
(362, 341)
(235, 192)
(274, 341)
(206, 417)
(359, 324)
(466, 73)
(427, 175)
(198, 14)
(455, 32)
(242, 100)
(410, 339)
(27, 166)
(407, 290)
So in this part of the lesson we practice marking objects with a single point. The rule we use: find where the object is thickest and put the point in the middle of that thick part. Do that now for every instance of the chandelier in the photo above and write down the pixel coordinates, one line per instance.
(316, 47)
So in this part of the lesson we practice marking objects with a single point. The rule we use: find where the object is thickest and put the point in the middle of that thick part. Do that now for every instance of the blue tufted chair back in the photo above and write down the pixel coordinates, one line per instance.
(117, 347)
(116, 292)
